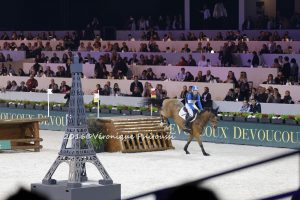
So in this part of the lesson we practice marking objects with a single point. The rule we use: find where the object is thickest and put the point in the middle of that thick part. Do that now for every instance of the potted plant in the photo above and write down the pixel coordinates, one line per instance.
(220, 116)
(265, 118)
(3, 103)
(126, 110)
(240, 117)
(12, 104)
(56, 107)
(254, 117)
(145, 111)
(21, 105)
(155, 111)
(88, 107)
(277, 120)
(29, 104)
(290, 120)
(105, 109)
(297, 119)
(136, 111)
(41, 105)
(227, 116)
(116, 109)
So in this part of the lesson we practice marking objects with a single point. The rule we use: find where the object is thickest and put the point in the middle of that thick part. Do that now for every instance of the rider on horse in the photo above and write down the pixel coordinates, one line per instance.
(192, 98)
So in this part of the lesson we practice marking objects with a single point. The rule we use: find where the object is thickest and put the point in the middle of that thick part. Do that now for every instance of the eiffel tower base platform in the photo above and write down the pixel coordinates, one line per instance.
(61, 191)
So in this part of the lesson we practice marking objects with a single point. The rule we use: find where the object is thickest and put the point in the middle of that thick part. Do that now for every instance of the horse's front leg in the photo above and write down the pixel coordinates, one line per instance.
(187, 144)
(164, 120)
(201, 145)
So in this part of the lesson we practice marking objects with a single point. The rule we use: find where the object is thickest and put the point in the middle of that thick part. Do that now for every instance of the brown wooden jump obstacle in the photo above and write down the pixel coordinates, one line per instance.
(134, 134)
(20, 134)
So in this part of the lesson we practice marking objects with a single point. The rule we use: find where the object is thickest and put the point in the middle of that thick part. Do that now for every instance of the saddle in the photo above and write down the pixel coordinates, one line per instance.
(183, 112)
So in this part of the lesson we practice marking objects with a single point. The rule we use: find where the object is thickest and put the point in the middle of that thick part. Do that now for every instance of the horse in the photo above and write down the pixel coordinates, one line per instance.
(171, 108)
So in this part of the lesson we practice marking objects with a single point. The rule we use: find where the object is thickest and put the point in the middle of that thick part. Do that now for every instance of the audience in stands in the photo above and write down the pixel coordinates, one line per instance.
(206, 99)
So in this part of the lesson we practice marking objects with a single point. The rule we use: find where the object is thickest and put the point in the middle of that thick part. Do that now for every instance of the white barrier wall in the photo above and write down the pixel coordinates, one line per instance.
(15, 55)
(217, 90)
(224, 106)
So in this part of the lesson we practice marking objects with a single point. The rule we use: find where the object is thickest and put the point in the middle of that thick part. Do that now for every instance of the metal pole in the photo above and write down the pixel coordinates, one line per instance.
(48, 97)
(98, 104)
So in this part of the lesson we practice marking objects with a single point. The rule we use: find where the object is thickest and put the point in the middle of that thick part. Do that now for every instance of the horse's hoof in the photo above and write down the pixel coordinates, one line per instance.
(167, 128)
(206, 154)
(161, 124)
(186, 152)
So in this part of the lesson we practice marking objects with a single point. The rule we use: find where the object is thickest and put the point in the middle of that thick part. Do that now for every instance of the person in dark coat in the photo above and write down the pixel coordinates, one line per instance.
(255, 107)
(136, 83)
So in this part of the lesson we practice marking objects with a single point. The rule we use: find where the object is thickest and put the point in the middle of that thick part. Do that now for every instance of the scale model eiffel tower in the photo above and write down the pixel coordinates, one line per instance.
(74, 150)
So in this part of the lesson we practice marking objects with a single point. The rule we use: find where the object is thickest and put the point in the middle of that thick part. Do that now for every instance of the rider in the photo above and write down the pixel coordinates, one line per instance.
(192, 98)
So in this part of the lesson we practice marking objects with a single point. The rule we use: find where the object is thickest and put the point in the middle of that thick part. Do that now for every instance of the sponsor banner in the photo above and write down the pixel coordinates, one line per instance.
(256, 134)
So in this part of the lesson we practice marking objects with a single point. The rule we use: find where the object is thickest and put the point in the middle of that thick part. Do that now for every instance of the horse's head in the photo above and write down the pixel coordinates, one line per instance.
(213, 117)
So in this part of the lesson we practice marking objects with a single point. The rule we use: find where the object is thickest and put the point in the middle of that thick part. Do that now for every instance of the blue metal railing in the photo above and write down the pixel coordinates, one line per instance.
(247, 166)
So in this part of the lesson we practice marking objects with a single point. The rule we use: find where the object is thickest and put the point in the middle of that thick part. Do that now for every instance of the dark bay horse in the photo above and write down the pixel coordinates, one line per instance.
(171, 108)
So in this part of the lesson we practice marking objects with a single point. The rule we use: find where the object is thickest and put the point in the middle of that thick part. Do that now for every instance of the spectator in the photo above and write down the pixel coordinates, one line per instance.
(199, 47)
(55, 89)
(48, 72)
(199, 77)
(286, 69)
(206, 98)
(191, 61)
(202, 62)
(8, 58)
(133, 60)
(287, 99)
(182, 62)
(98, 89)
(276, 64)
(245, 107)
(160, 92)
(208, 77)
(231, 79)
(162, 77)
(106, 90)
(277, 96)
(147, 89)
(255, 107)
(52, 83)
(11, 71)
(116, 90)
(181, 76)
(120, 69)
(270, 98)
(22, 87)
(208, 48)
(138, 84)
(253, 94)
(61, 72)
(237, 94)
(294, 70)
(183, 94)
(150, 75)
(262, 96)
(270, 80)
(54, 59)
(255, 59)
(31, 83)
(13, 86)
(188, 77)
(279, 80)
(2, 58)
(99, 69)
(230, 96)
(136, 92)
(20, 72)
(186, 49)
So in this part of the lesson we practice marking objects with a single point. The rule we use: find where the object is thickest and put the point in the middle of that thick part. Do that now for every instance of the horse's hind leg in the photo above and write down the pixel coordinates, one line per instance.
(201, 146)
(187, 144)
